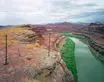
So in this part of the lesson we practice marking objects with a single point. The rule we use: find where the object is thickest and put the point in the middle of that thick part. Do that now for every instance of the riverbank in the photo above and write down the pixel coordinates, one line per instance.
(96, 49)
(80, 37)
(67, 53)
(89, 69)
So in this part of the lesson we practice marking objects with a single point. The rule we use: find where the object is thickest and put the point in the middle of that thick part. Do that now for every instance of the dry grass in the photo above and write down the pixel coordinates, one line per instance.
(10, 32)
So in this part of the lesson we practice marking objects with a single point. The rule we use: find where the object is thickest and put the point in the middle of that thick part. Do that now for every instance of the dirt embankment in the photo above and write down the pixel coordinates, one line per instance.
(28, 58)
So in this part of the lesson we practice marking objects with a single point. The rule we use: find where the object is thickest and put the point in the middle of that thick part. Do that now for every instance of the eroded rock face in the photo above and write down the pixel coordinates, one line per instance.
(53, 73)
(28, 63)
(96, 28)
(26, 37)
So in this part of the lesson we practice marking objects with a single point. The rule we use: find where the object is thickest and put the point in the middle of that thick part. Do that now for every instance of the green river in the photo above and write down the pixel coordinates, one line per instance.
(89, 69)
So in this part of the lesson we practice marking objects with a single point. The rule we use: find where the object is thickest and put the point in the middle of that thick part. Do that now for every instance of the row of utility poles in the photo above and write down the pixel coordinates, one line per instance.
(6, 46)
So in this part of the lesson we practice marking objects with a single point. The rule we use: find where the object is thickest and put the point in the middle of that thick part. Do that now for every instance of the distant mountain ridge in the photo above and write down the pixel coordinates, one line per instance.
(1, 26)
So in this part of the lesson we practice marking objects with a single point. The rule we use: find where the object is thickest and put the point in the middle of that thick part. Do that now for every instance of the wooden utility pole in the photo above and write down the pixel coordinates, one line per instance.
(6, 57)
(49, 33)
(49, 45)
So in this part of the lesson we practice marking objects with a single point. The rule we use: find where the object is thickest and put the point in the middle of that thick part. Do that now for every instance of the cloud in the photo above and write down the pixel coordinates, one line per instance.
(91, 5)
(91, 16)
(44, 11)
(86, 14)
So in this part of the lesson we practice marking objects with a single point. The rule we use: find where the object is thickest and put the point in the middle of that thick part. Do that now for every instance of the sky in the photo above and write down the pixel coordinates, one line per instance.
(13, 12)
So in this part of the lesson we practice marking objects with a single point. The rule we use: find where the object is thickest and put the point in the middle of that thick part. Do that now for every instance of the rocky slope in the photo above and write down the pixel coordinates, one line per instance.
(28, 58)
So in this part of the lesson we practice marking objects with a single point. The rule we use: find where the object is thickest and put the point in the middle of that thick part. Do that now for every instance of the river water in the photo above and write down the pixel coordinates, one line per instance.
(89, 69)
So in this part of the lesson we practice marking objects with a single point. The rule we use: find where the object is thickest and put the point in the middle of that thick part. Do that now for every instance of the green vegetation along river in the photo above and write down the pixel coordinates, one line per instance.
(67, 53)
(89, 69)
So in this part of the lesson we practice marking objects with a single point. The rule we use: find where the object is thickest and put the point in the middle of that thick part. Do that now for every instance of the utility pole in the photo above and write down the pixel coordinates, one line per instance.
(49, 33)
(49, 45)
(6, 57)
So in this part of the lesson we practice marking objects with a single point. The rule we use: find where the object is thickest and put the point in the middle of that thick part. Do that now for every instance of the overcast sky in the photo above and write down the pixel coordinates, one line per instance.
(50, 11)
